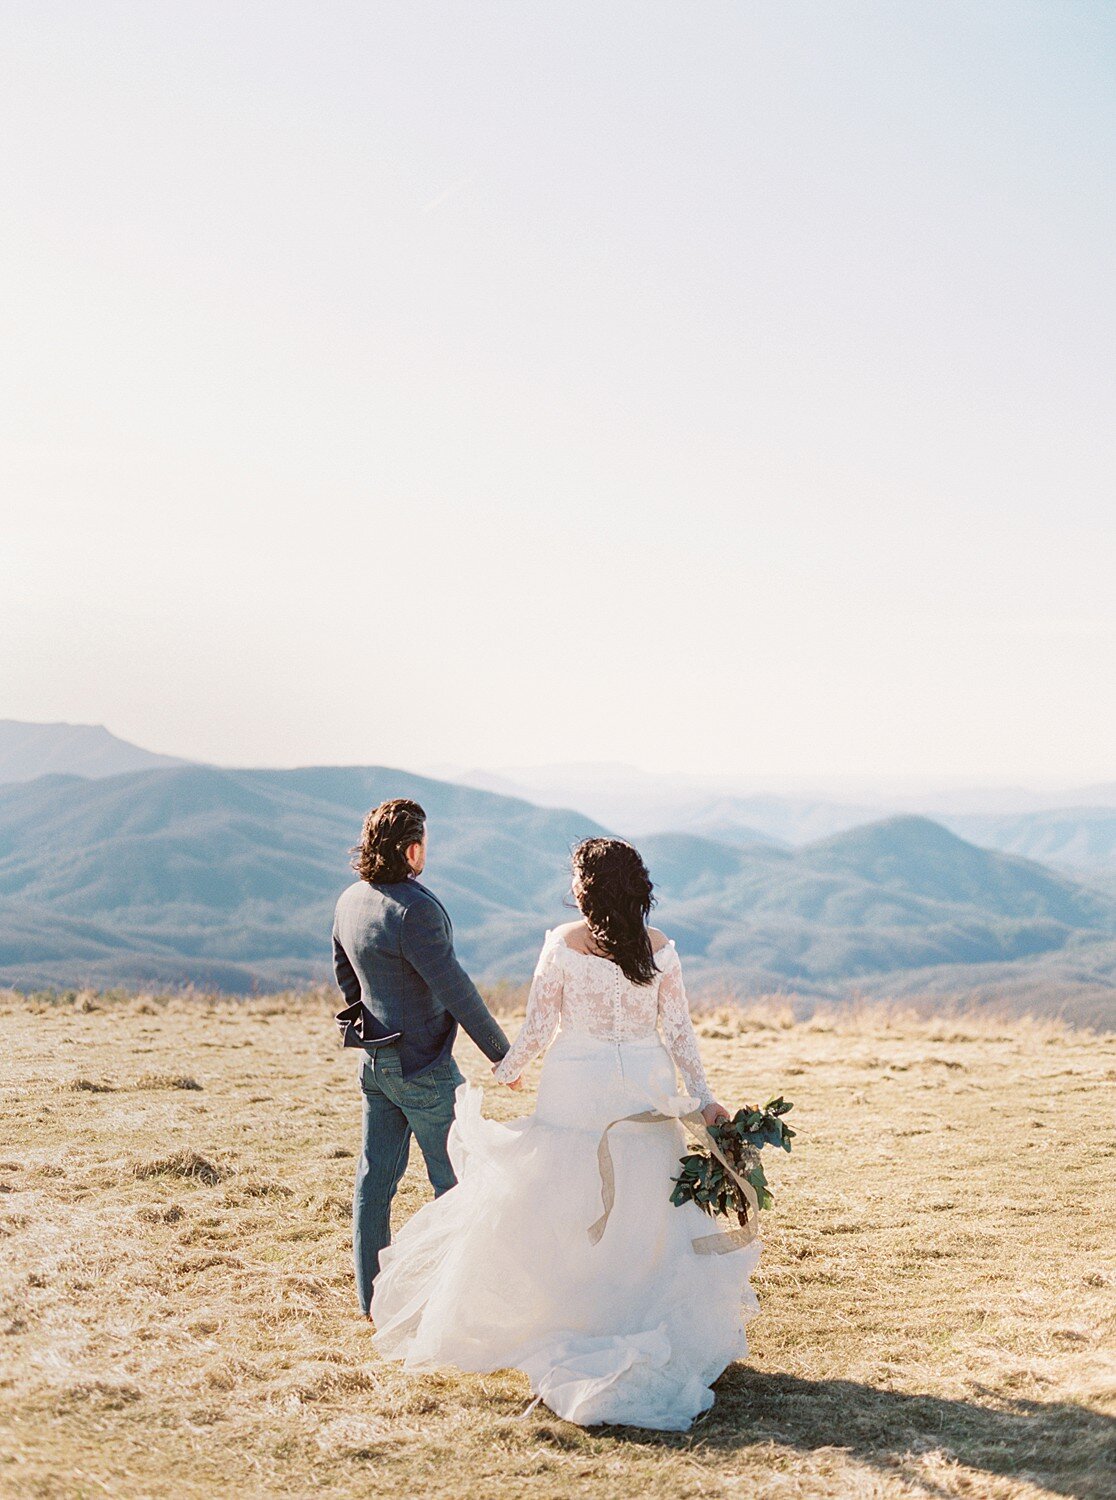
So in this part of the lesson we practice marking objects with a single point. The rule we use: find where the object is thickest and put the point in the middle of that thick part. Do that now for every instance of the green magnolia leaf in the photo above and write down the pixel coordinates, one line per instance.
(703, 1179)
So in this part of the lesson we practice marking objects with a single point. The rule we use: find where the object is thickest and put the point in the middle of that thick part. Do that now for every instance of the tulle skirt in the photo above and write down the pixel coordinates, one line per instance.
(499, 1272)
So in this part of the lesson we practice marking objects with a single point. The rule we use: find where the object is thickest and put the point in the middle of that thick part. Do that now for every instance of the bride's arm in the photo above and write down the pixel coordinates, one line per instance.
(680, 1037)
(544, 1009)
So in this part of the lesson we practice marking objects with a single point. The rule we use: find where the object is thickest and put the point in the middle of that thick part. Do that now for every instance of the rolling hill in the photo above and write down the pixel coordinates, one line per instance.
(227, 878)
(1081, 840)
(900, 906)
(1073, 829)
(635, 803)
(31, 750)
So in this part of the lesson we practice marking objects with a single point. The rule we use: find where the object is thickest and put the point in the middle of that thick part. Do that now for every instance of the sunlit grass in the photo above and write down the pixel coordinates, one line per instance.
(177, 1314)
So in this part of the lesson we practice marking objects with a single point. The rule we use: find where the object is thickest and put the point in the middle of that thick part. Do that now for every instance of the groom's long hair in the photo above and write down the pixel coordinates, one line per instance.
(389, 831)
(616, 897)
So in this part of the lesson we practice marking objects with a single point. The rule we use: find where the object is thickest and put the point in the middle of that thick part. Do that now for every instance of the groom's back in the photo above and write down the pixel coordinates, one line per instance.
(368, 928)
(368, 923)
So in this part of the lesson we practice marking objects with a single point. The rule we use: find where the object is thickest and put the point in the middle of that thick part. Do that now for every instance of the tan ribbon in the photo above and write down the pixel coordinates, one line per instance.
(706, 1244)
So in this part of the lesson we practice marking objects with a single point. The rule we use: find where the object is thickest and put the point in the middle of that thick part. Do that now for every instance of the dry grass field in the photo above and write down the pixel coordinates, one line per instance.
(177, 1315)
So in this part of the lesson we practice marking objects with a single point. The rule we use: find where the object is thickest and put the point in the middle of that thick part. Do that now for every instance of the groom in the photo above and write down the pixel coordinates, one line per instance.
(393, 950)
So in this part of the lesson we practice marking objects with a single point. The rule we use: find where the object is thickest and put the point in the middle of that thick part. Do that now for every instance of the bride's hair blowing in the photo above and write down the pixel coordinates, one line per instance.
(615, 898)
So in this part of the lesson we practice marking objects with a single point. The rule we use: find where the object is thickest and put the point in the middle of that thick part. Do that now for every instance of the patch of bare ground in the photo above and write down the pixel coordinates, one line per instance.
(177, 1318)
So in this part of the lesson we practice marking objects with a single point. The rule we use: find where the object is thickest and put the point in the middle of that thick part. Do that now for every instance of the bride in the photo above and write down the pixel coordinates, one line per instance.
(632, 1325)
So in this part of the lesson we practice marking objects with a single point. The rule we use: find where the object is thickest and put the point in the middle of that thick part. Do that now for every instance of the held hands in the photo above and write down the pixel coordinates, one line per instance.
(513, 1083)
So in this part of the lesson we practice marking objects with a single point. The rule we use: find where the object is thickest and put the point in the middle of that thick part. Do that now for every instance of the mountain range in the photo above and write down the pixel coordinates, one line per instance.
(1074, 829)
(227, 878)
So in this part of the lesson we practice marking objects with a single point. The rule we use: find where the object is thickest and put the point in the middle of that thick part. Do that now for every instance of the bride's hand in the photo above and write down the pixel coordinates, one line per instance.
(714, 1113)
(513, 1083)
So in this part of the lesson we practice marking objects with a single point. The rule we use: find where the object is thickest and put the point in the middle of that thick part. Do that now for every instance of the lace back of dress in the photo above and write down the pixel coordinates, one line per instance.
(585, 993)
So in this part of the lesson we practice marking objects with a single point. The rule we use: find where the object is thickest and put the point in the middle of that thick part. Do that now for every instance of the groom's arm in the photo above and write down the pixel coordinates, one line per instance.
(428, 947)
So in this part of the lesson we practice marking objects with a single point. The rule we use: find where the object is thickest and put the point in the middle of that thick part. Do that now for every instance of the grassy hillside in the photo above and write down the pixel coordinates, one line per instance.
(177, 1316)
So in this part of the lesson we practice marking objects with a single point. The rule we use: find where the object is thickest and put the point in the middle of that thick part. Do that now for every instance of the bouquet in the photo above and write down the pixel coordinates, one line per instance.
(703, 1179)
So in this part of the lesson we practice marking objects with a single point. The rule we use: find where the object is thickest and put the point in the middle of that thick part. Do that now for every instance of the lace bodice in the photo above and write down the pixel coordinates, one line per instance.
(584, 992)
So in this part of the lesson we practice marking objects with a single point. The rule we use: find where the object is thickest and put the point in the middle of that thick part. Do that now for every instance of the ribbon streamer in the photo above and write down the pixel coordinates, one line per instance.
(706, 1244)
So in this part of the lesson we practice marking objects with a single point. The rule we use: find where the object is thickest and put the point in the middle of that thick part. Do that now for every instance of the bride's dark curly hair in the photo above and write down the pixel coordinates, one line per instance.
(615, 897)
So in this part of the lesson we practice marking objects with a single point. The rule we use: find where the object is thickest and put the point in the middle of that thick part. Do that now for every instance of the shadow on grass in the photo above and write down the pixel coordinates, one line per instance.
(1069, 1449)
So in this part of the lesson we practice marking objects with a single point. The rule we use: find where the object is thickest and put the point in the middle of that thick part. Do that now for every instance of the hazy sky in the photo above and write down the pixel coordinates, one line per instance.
(714, 387)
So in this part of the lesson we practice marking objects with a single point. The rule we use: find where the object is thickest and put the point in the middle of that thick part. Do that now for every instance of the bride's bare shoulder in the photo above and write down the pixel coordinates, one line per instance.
(574, 935)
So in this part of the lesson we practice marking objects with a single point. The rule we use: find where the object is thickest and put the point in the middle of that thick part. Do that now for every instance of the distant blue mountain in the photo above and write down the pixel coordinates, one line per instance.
(1081, 840)
(174, 871)
(30, 750)
(227, 878)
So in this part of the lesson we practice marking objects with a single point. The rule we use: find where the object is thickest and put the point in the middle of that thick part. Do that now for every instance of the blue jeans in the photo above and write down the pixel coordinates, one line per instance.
(395, 1108)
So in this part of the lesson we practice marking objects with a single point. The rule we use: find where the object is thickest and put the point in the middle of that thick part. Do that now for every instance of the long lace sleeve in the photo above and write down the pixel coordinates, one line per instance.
(544, 1009)
(678, 1029)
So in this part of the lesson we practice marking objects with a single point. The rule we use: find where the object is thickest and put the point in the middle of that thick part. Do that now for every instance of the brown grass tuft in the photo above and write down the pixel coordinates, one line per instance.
(167, 1081)
(262, 1187)
(154, 1213)
(100, 1395)
(330, 1206)
(181, 1164)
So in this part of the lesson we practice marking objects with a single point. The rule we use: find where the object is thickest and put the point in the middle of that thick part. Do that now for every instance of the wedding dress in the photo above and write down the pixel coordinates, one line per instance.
(500, 1271)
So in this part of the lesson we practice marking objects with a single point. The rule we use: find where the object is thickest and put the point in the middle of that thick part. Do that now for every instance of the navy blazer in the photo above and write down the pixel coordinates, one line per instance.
(393, 949)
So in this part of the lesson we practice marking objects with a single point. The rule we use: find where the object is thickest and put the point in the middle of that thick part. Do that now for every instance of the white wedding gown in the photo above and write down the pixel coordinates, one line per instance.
(500, 1272)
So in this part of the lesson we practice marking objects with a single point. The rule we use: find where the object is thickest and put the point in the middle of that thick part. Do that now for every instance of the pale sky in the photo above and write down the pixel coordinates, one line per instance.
(720, 388)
